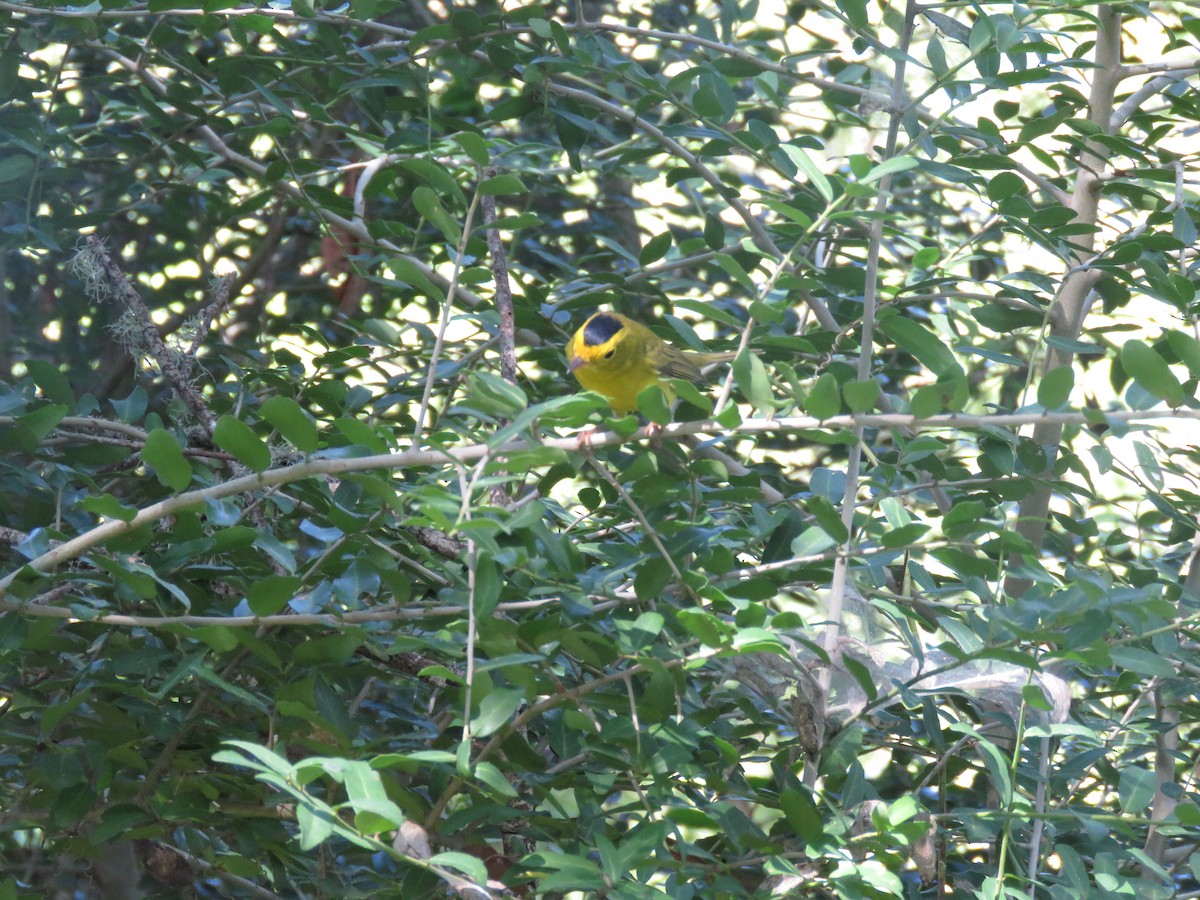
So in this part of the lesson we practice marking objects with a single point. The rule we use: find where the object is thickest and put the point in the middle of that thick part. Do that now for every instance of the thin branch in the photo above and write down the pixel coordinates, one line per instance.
(356, 229)
(444, 322)
(142, 11)
(1133, 71)
(503, 288)
(105, 279)
(841, 567)
(504, 308)
(220, 301)
(759, 234)
(647, 528)
(470, 453)
(327, 620)
(531, 712)
(89, 423)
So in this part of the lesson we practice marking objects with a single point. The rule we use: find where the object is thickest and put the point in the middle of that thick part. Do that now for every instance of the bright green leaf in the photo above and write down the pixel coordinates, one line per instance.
(293, 422)
(163, 454)
(234, 436)
(1151, 371)
(1054, 390)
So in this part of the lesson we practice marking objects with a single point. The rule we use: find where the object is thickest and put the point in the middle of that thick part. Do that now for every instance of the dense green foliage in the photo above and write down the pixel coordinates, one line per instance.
(305, 592)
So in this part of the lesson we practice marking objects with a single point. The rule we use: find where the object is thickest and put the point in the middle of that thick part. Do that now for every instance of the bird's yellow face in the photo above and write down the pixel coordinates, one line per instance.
(608, 355)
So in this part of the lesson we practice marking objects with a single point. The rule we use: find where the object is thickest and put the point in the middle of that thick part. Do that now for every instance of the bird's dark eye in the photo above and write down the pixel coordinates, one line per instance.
(609, 354)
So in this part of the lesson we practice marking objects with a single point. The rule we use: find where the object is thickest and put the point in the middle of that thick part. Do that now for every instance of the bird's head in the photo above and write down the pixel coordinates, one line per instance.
(601, 343)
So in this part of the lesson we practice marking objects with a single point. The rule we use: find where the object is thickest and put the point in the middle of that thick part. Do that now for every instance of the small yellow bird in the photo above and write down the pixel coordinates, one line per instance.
(615, 356)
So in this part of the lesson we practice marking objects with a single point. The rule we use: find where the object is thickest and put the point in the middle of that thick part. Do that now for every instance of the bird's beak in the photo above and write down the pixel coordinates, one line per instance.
(575, 363)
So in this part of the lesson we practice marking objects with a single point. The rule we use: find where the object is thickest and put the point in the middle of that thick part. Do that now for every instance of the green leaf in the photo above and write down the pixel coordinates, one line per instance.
(295, 424)
(652, 403)
(495, 395)
(1151, 371)
(259, 24)
(856, 13)
(828, 518)
(905, 535)
(435, 176)
(824, 399)
(1135, 659)
(268, 595)
(565, 872)
(1005, 185)
(109, 507)
(714, 98)
(942, 395)
(1187, 348)
(163, 454)
(336, 649)
(469, 865)
(710, 630)
(365, 791)
(714, 231)
(488, 774)
(1136, 787)
(1189, 814)
(473, 144)
(16, 165)
(254, 756)
(235, 437)
(488, 584)
(805, 164)
(33, 427)
(407, 271)
(316, 825)
(55, 386)
(656, 248)
(735, 271)
(502, 186)
(752, 380)
(997, 767)
(926, 257)
(1055, 388)
(927, 347)
(861, 396)
(757, 640)
(133, 407)
(1032, 695)
(13, 629)
(429, 205)
(652, 576)
(496, 710)
(890, 167)
(802, 814)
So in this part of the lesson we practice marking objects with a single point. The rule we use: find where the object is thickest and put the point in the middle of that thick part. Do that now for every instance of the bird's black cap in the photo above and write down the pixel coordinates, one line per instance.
(600, 329)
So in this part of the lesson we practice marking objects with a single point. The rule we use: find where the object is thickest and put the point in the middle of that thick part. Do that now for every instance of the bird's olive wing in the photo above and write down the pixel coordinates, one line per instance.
(676, 364)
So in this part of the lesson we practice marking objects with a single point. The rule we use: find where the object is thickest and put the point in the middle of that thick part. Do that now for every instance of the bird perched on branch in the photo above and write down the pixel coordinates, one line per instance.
(615, 356)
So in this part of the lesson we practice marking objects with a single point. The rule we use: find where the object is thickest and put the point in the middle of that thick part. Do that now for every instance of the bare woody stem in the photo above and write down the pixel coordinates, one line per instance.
(113, 282)
(1070, 308)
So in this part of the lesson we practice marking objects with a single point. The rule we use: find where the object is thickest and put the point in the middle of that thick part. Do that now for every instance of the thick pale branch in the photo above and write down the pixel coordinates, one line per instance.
(1135, 100)
(1182, 67)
